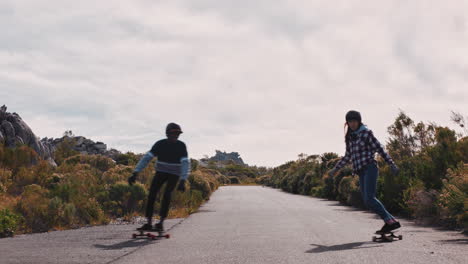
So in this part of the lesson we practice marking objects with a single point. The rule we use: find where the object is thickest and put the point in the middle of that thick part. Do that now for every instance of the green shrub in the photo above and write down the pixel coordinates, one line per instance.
(65, 150)
(69, 217)
(116, 174)
(193, 165)
(422, 204)
(129, 198)
(200, 181)
(8, 223)
(33, 206)
(196, 199)
(127, 159)
(234, 180)
(349, 192)
(6, 180)
(89, 212)
(55, 211)
(453, 200)
(99, 162)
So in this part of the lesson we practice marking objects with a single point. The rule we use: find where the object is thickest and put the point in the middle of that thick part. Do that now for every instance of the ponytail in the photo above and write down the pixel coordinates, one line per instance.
(348, 132)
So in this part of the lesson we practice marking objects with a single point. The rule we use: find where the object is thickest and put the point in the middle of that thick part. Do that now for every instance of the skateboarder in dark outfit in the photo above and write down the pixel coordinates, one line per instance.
(173, 163)
(361, 146)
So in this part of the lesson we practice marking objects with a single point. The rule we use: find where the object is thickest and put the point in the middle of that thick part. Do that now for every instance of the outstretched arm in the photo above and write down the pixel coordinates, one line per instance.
(144, 162)
(344, 160)
(375, 144)
(185, 168)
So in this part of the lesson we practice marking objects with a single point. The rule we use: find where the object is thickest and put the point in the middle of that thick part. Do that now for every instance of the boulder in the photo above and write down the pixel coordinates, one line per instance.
(13, 131)
(9, 132)
(16, 131)
(3, 112)
(79, 140)
(100, 146)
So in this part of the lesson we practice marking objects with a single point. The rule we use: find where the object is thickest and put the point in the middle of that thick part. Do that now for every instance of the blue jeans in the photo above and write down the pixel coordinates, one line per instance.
(368, 182)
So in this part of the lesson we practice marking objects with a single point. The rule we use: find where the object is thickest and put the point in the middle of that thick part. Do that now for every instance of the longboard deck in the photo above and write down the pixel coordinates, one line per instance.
(151, 234)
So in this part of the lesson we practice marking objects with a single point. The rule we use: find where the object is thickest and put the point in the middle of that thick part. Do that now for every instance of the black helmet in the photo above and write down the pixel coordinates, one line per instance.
(173, 127)
(353, 115)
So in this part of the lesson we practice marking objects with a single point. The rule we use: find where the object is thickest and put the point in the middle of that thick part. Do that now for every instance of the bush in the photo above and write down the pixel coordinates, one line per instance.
(349, 192)
(127, 159)
(69, 217)
(16, 158)
(83, 189)
(33, 206)
(198, 182)
(8, 223)
(65, 150)
(6, 180)
(422, 204)
(89, 212)
(193, 165)
(99, 162)
(234, 180)
(263, 180)
(453, 200)
(196, 199)
(128, 198)
(116, 174)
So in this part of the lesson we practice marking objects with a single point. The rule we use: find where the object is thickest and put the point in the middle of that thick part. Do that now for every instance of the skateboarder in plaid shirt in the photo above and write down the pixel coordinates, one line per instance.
(173, 163)
(361, 146)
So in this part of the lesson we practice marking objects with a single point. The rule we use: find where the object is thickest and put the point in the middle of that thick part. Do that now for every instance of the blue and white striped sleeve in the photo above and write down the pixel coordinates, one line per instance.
(144, 161)
(185, 168)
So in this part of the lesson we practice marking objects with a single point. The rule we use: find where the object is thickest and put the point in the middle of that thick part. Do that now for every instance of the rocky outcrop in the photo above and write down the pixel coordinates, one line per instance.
(224, 157)
(82, 145)
(14, 131)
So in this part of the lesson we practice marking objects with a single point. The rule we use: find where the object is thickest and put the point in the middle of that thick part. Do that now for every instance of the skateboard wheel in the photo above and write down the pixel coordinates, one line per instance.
(134, 235)
(167, 236)
(400, 237)
(374, 239)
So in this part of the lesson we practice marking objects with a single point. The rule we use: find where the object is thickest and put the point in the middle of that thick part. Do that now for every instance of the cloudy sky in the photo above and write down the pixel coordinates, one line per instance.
(267, 78)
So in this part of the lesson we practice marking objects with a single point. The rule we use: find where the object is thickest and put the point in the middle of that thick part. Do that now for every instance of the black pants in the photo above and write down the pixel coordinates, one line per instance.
(159, 179)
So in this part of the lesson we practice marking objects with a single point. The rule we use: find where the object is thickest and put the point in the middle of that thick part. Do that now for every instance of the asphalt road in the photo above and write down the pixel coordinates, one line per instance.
(247, 224)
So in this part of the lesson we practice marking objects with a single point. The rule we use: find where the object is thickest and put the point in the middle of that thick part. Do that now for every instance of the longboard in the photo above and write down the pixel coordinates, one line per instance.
(386, 237)
(149, 234)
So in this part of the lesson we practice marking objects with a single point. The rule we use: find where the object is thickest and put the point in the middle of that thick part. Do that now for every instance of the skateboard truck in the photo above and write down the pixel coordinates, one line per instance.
(386, 237)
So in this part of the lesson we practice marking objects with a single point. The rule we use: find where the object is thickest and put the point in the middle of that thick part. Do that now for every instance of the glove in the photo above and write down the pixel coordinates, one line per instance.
(395, 170)
(181, 186)
(132, 179)
(333, 172)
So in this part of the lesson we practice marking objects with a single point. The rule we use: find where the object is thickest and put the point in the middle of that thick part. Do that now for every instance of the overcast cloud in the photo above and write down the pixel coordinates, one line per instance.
(269, 79)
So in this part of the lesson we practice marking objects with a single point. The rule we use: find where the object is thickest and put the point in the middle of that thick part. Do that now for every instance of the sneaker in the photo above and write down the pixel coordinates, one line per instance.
(387, 228)
(159, 227)
(394, 226)
(145, 227)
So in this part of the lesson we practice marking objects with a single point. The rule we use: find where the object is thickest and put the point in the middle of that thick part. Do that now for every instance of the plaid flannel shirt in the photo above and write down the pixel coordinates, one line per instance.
(361, 151)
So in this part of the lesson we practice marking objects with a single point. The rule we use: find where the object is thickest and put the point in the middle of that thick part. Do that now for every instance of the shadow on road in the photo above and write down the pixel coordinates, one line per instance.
(348, 246)
(124, 244)
(205, 211)
(461, 241)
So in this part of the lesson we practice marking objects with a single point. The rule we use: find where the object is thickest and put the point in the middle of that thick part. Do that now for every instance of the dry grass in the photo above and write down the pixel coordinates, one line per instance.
(8, 201)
